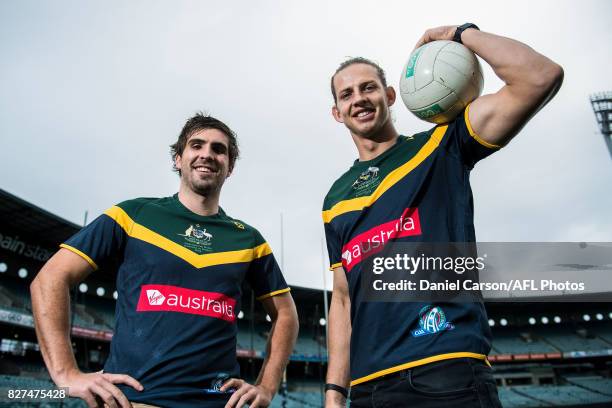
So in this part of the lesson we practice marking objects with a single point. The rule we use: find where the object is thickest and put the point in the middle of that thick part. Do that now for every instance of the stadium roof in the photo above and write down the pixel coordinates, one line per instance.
(27, 219)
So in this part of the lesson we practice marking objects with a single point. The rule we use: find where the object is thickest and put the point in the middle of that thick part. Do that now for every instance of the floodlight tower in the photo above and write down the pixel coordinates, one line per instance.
(602, 106)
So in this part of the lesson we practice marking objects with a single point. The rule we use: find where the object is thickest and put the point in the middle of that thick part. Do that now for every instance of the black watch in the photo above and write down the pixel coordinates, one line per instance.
(337, 388)
(461, 29)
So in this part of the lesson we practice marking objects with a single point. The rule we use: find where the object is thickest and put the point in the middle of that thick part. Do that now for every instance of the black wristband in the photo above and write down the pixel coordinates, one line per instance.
(461, 29)
(337, 388)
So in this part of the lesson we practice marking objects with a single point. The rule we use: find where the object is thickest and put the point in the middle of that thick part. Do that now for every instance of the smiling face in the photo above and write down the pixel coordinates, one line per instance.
(362, 102)
(204, 163)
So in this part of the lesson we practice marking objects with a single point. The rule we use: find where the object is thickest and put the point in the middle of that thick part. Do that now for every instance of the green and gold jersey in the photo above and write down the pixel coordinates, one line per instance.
(179, 278)
(416, 191)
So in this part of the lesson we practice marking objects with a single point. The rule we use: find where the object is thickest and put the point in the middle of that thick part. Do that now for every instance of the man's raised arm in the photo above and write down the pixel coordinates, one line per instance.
(530, 78)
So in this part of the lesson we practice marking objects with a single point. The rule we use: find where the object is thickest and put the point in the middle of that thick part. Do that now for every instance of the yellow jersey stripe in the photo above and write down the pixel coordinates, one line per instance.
(276, 292)
(334, 266)
(473, 134)
(359, 203)
(81, 254)
(416, 363)
(142, 233)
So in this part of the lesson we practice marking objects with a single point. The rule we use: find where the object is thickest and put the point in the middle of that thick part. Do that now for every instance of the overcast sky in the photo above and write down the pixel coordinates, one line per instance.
(93, 92)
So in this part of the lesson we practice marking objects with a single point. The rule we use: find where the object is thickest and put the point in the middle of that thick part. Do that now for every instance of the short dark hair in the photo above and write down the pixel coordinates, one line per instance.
(202, 121)
(358, 60)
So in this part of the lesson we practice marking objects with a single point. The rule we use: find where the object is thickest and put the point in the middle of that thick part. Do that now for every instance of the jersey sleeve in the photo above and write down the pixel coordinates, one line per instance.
(464, 142)
(100, 243)
(334, 246)
(264, 274)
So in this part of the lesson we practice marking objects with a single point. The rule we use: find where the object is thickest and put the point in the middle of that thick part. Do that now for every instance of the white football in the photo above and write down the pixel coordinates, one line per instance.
(439, 80)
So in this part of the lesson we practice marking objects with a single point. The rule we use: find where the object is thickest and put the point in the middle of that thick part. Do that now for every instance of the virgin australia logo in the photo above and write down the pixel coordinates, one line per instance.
(432, 320)
(369, 178)
(197, 238)
(347, 256)
(155, 297)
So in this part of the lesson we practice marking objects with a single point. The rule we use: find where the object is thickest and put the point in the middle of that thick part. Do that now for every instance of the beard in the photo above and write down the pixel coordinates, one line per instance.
(204, 186)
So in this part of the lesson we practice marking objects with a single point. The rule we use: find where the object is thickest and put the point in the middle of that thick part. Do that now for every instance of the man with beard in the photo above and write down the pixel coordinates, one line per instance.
(416, 189)
(180, 263)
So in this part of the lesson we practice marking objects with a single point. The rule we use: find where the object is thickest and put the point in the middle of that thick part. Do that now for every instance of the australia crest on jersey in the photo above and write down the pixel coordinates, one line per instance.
(432, 320)
(197, 239)
(367, 181)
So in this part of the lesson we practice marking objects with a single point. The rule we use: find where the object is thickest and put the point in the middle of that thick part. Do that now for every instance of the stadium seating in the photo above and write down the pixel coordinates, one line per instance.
(513, 343)
(552, 339)
(604, 332)
(567, 340)
(38, 371)
(103, 312)
(308, 346)
(511, 399)
(259, 338)
(593, 383)
(15, 296)
(295, 399)
(560, 395)
(305, 344)
(95, 314)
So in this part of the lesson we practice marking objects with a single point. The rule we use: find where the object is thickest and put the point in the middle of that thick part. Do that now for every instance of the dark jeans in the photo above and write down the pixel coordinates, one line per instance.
(460, 382)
